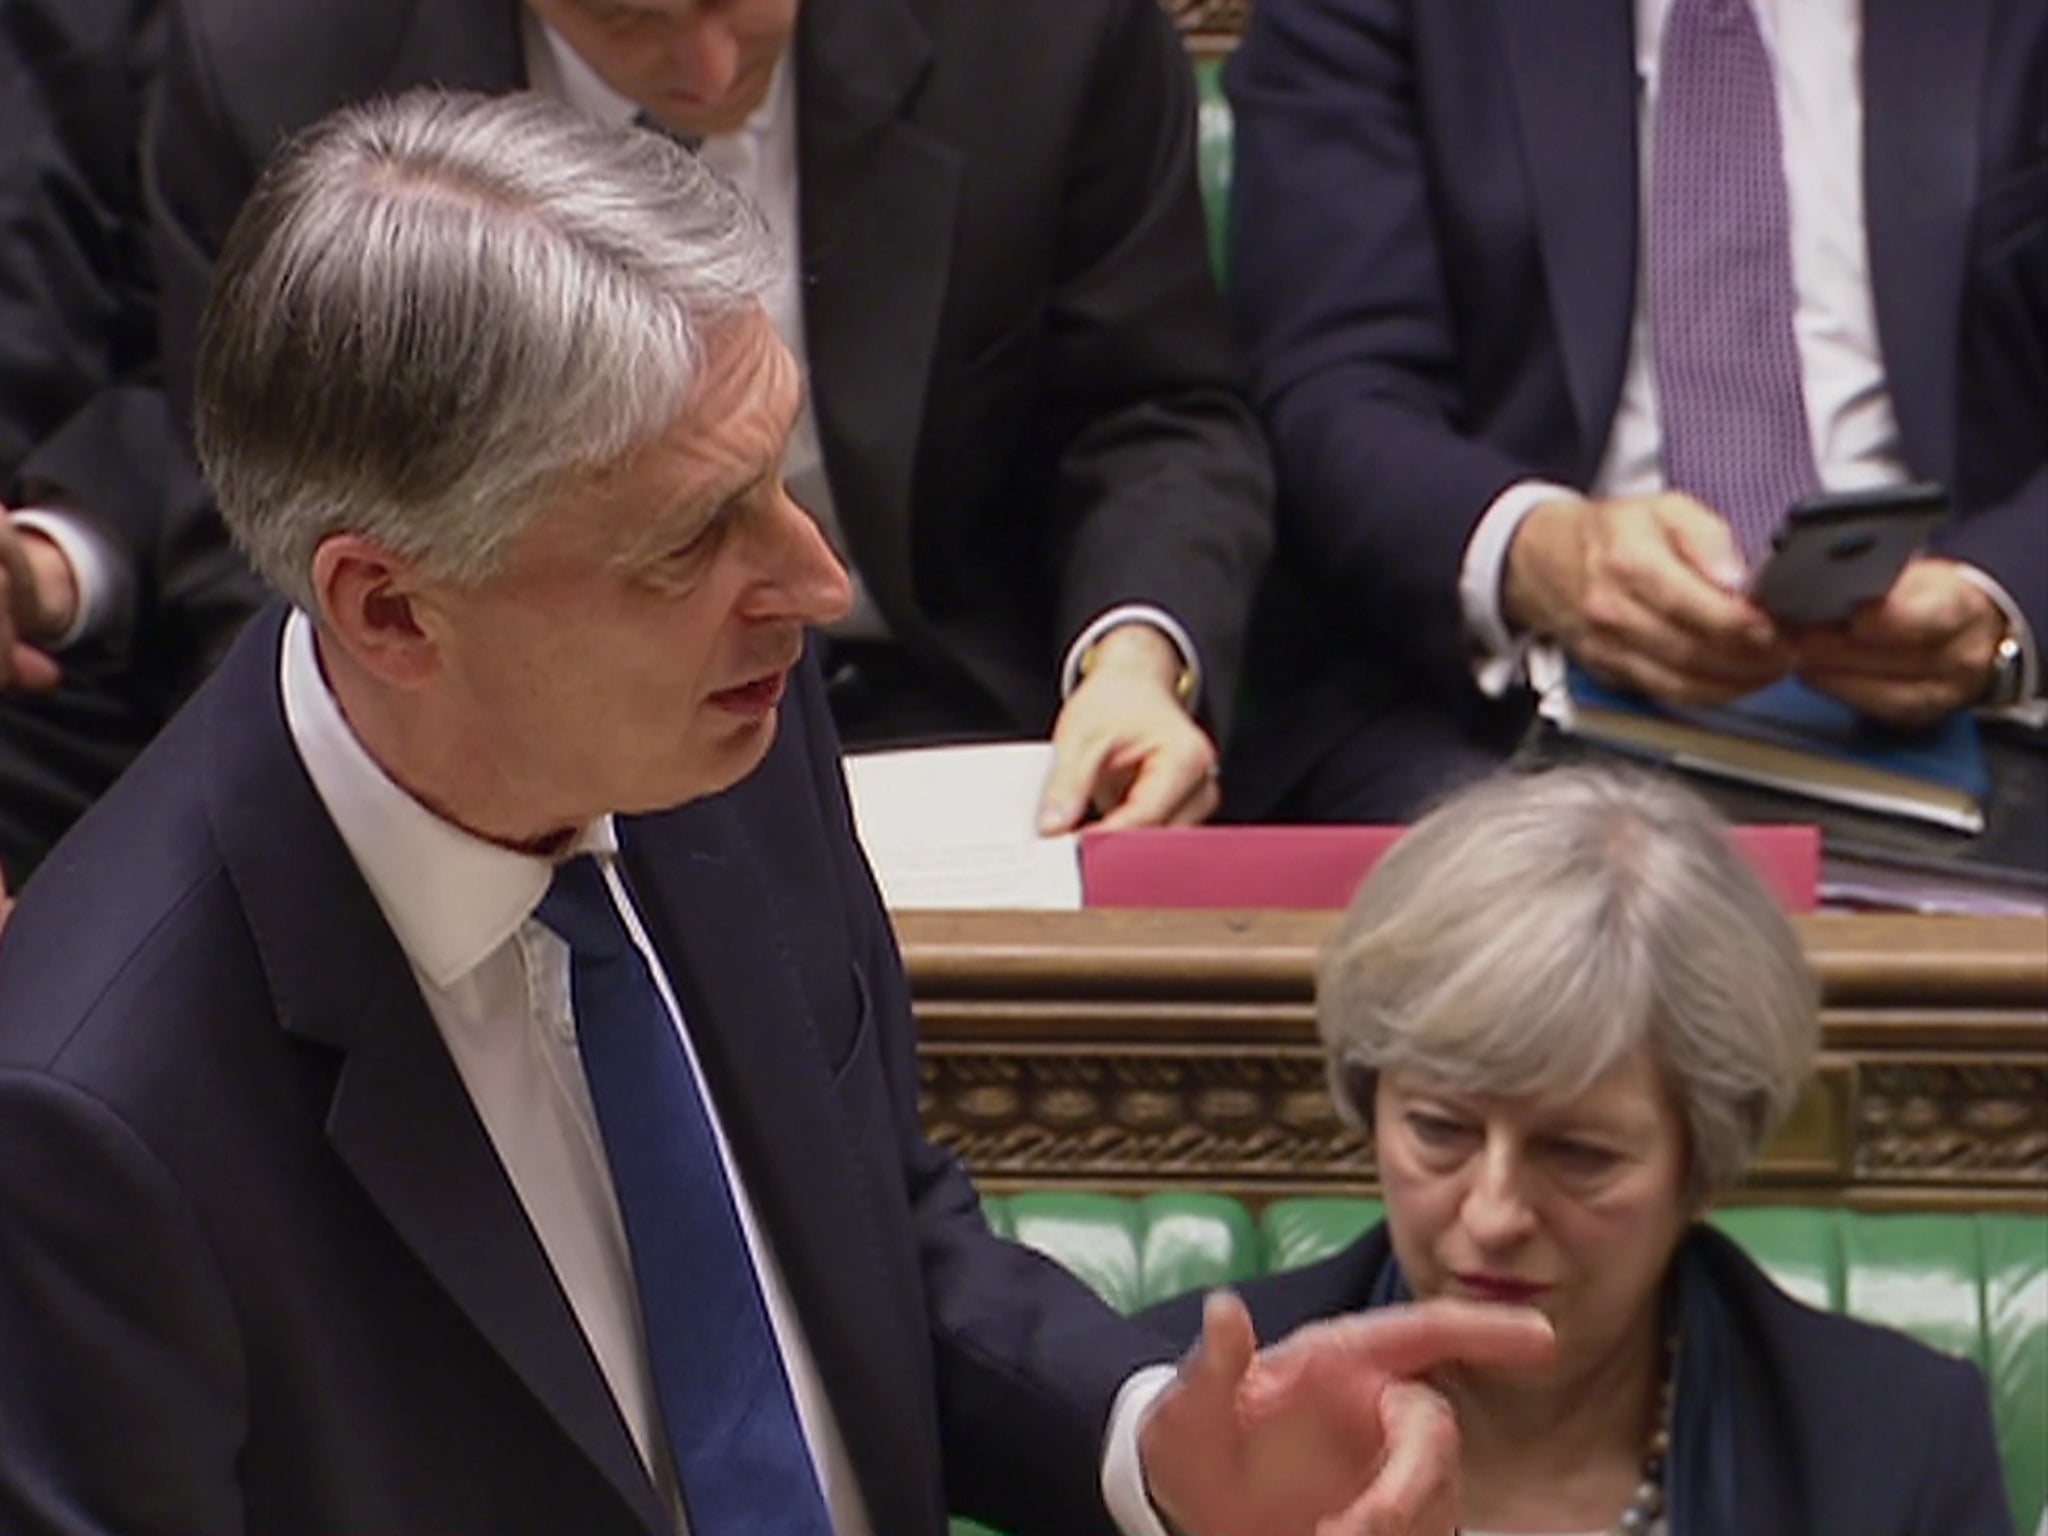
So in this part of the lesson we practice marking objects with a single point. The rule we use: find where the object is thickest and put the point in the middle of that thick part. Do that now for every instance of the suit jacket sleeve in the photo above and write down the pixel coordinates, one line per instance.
(93, 1447)
(84, 423)
(76, 301)
(79, 419)
(1028, 1360)
(2006, 541)
(1343, 300)
(1164, 489)
(196, 171)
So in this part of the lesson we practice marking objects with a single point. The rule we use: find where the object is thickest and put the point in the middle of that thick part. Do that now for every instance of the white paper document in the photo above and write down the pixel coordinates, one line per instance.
(956, 827)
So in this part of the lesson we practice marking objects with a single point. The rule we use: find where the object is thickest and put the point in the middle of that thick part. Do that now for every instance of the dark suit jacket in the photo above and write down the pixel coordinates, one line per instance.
(260, 1270)
(1435, 224)
(1024, 389)
(82, 420)
(1786, 1420)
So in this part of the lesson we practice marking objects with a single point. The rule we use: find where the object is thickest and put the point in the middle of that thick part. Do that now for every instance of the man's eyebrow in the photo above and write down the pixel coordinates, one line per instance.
(689, 518)
(744, 491)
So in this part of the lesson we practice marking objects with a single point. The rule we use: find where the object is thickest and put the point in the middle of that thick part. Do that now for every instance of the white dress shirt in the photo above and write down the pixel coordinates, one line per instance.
(496, 982)
(1816, 49)
(761, 160)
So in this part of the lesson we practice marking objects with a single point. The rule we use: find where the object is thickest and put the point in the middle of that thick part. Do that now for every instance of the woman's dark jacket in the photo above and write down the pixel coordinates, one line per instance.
(1788, 1421)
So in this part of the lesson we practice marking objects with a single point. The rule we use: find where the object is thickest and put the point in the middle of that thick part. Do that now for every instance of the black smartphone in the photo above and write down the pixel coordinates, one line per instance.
(1836, 552)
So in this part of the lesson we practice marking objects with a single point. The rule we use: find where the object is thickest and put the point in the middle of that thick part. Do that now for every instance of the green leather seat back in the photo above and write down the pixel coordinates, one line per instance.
(1135, 1252)
(1974, 1285)
(2015, 1256)
(1212, 150)
(1299, 1232)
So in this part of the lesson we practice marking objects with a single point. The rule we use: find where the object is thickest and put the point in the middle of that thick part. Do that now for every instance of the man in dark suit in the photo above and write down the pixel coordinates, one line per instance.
(326, 1204)
(1446, 231)
(108, 614)
(1024, 431)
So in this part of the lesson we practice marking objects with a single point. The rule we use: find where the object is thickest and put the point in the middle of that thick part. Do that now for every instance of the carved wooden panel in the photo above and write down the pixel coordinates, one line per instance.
(1927, 1120)
(1108, 1116)
(1145, 1050)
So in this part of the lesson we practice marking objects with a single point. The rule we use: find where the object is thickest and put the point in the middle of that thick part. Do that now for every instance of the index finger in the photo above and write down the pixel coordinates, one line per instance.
(1412, 1341)
(1064, 800)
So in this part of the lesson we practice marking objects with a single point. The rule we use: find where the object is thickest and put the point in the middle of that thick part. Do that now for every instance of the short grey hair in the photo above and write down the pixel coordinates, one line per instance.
(1535, 929)
(436, 312)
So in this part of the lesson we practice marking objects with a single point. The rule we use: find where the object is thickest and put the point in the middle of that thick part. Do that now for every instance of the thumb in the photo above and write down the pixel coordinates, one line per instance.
(1213, 1370)
(1705, 542)
(1224, 1353)
(30, 670)
(1190, 1441)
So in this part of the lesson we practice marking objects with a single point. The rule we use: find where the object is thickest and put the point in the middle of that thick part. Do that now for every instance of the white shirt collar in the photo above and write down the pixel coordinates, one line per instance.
(450, 897)
(556, 69)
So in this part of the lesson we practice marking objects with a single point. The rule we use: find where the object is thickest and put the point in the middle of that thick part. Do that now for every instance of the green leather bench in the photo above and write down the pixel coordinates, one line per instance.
(1974, 1285)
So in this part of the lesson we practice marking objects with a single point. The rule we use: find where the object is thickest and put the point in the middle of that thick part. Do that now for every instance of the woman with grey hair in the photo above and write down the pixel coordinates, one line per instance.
(1570, 1013)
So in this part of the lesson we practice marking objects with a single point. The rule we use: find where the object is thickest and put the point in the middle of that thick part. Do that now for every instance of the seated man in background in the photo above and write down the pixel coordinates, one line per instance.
(1022, 429)
(1569, 1013)
(461, 1079)
(1554, 310)
(92, 658)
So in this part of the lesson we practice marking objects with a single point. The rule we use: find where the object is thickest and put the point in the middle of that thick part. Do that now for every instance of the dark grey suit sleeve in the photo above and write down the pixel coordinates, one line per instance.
(76, 300)
(82, 420)
(1344, 302)
(2009, 541)
(1028, 1360)
(122, 1406)
(1164, 491)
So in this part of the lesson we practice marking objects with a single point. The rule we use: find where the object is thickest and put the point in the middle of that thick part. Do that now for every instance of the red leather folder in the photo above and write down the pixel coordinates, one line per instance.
(1316, 868)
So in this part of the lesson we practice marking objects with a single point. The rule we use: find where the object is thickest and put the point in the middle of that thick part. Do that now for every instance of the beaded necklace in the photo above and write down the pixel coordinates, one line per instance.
(1643, 1511)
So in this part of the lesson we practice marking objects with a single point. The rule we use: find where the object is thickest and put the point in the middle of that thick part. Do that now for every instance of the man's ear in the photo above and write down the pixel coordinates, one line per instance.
(371, 604)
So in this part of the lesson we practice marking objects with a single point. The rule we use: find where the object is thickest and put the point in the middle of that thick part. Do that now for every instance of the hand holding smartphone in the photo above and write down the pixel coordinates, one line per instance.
(1836, 552)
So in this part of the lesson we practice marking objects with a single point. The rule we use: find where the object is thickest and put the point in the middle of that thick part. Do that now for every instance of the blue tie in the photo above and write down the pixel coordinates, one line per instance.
(732, 1425)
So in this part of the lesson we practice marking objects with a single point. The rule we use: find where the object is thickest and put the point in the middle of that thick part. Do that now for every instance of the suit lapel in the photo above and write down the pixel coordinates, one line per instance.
(1923, 75)
(400, 1118)
(1573, 67)
(877, 198)
(809, 1172)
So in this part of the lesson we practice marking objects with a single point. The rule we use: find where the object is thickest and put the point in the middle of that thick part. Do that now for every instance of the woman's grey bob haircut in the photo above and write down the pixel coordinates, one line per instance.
(437, 311)
(1533, 930)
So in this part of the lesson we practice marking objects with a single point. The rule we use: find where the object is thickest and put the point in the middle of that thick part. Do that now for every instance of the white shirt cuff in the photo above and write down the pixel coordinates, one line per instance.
(2030, 706)
(1497, 655)
(95, 568)
(1123, 1475)
(1133, 613)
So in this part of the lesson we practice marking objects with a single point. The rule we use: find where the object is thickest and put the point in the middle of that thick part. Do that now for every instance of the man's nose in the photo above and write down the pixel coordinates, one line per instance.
(704, 56)
(802, 578)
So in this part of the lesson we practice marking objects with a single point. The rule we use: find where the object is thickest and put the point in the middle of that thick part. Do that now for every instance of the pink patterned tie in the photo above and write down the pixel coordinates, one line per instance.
(1734, 415)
